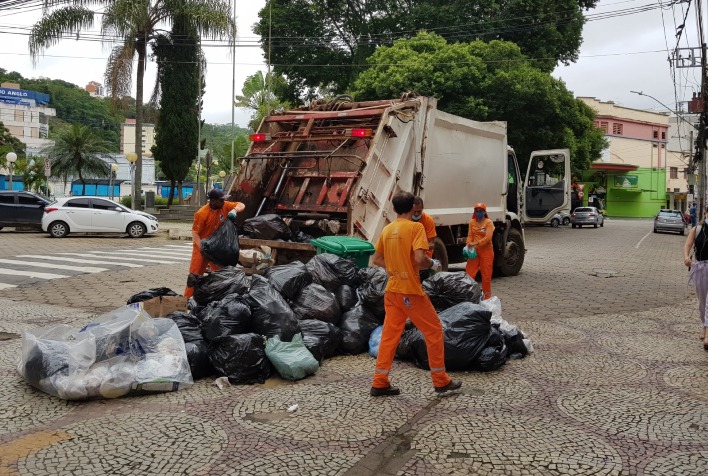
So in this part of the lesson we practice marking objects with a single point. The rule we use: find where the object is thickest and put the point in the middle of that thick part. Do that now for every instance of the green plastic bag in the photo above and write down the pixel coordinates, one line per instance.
(469, 254)
(292, 360)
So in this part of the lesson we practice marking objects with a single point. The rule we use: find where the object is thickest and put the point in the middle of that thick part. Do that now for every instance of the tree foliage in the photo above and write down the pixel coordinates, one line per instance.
(259, 93)
(9, 143)
(487, 82)
(76, 152)
(324, 43)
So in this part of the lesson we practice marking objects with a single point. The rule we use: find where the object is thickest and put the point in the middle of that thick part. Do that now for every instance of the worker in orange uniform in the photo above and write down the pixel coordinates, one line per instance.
(401, 250)
(479, 236)
(430, 234)
(206, 220)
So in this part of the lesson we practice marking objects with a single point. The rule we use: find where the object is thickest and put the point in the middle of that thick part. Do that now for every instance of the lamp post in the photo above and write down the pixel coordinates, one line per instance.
(131, 157)
(114, 169)
(11, 158)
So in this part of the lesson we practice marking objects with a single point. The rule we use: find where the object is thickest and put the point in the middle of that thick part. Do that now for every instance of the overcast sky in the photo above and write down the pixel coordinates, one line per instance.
(619, 54)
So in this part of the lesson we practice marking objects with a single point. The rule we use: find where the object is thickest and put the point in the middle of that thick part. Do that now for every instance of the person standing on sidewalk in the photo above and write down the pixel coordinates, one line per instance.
(693, 212)
(429, 224)
(206, 220)
(401, 250)
(698, 240)
(479, 237)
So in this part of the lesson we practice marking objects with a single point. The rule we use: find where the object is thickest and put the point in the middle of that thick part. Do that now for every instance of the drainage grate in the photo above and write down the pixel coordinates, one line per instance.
(604, 273)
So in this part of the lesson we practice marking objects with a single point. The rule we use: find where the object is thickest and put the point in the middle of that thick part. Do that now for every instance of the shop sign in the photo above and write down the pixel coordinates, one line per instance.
(626, 181)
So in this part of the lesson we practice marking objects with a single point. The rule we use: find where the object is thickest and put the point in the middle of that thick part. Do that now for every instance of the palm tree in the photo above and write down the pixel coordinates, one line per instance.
(258, 94)
(76, 152)
(133, 24)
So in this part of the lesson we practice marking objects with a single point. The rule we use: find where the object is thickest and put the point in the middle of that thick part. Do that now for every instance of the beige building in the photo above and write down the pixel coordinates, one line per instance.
(127, 137)
(95, 89)
(26, 115)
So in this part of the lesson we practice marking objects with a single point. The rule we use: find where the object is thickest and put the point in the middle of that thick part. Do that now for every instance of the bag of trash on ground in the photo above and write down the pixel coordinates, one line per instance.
(446, 289)
(375, 342)
(150, 293)
(217, 284)
(198, 357)
(241, 358)
(373, 287)
(346, 297)
(289, 279)
(357, 325)
(466, 327)
(291, 359)
(329, 336)
(331, 271)
(267, 227)
(270, 314)
(403, 351)
(222, 246)
(189, 325)
(517, 343)
(124, 352)
(494, 355)
(226, 317)
(315, 302)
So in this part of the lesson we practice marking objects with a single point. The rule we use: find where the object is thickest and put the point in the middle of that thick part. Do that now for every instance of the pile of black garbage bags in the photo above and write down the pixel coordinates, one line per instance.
(332, 307)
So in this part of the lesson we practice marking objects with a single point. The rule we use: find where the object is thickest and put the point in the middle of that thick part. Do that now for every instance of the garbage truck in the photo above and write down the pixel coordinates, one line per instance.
(333, 166)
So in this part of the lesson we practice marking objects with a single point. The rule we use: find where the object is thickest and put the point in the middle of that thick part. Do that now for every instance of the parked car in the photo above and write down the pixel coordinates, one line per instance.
(19, 208)
(669, 220)
(586, 216)
(95, 215)
(561, 218)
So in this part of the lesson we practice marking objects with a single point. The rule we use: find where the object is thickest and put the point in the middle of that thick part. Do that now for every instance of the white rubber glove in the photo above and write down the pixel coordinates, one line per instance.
(436, 266)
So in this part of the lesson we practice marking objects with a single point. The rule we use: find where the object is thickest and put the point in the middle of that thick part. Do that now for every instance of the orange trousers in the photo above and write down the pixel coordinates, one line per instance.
(485, 264)
(198, 266)
(422, 313)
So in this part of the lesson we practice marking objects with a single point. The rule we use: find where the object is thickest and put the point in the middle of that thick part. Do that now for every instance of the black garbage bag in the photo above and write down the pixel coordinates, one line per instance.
(330, 336)
(241, 358)
(331, 271)
(193, 307)
(346, 297)
(302, 237)
(198, 358)
(515, 344)
(226, 317)
(270, 314)
(356, 326)
(151, 293)
(289, 279)
(467, 328)
(494, 355)
(222, 246)
(315, 346)
(315, 302)
(372, 289)
(446, 289)
(189, 325)
(267, 227)
(215, 285)
(403, 351)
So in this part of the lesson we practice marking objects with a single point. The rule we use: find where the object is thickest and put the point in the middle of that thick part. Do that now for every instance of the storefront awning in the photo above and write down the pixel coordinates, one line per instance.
(608, 167)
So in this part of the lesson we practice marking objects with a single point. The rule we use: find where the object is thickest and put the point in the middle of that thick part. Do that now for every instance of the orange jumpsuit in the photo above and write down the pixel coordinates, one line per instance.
(405, 298)
(430, 233)
(481, 232)
(206, 221)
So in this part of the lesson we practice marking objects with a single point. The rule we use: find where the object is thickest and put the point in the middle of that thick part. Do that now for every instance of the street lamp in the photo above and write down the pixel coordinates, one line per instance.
(222, 174)
(114, 169)
(132, 157)
(11, 158)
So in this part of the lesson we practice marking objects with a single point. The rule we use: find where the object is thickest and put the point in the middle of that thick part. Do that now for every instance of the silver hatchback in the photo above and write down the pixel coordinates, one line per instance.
(586, 216)
(669, 220)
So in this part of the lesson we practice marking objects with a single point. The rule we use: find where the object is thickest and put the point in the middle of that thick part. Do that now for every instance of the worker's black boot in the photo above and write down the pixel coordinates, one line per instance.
(385, 392)
(453, 385)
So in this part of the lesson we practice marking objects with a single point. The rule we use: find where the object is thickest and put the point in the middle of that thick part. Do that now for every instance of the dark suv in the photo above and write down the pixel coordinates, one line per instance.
(21, 209)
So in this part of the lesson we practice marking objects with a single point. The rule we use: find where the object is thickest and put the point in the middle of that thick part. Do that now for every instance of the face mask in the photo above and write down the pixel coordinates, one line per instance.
(416, 218)
(480, 214)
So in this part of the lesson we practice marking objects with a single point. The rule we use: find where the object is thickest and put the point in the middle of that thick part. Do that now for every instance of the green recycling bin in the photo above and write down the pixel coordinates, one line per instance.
(346, 247)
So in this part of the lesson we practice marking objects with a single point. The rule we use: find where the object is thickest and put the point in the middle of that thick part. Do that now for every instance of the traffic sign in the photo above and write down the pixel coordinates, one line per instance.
(47, 167)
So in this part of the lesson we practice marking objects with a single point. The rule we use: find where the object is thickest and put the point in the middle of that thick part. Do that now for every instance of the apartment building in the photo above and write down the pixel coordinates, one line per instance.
(26, 115)
(127, 137)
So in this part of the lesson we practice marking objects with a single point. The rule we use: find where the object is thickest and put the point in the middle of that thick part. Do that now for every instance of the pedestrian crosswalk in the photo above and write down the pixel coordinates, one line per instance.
(25, 268)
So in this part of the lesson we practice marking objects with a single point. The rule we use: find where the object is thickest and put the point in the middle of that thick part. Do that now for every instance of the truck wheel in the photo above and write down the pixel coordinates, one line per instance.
(440, 253)
(513, 255)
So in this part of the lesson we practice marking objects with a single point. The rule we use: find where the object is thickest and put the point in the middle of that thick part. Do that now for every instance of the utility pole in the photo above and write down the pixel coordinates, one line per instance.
(700, 157)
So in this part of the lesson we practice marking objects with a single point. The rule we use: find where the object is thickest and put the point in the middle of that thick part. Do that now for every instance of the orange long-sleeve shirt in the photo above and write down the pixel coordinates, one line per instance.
(480, 232)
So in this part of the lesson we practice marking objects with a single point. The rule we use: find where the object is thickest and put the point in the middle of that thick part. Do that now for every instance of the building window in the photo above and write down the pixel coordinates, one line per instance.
(655, 134)
(673, 172)
(677, 190)
(617, 129)
(603, 126)
(663, 136)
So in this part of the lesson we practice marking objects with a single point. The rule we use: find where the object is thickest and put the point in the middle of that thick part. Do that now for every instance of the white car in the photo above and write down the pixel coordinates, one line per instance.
(95, 215)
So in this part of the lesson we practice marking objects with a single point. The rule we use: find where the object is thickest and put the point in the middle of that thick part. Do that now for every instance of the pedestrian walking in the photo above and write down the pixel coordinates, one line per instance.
(479, 237)
(430, 234)
(697, 245)
(206, 220)
(401, 250)
(693, 211)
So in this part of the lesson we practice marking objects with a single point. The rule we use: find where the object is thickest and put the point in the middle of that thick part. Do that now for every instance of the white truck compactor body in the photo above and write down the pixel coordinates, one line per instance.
(332, 168)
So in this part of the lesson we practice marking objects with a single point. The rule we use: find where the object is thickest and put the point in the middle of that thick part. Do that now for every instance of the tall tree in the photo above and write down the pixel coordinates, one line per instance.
(76, 152)
(9, 143)
(488, 82)
(177, 131)
(324, 43)
(134, 24)
(259, 93)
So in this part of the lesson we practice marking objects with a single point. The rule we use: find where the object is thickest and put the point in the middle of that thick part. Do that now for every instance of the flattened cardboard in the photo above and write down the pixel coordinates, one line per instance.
(163, 305)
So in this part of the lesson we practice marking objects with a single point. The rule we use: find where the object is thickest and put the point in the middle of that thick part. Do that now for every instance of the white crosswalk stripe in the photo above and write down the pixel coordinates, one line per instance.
(7, 286)
(79, 260)
(147, 254)
(82, 269)
(123, 258)
(31, 274)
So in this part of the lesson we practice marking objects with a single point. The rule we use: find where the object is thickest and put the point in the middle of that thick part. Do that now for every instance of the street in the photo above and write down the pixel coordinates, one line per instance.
(616, 384)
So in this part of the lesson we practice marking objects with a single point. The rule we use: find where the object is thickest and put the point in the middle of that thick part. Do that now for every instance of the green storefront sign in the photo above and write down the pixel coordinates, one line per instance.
(626, 181)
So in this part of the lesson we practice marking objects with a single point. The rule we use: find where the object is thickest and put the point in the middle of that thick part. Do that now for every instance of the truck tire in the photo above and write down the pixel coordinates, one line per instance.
(513, 255)
(440, 253)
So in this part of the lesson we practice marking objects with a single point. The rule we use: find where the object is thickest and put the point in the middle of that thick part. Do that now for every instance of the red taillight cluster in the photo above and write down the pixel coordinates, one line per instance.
(49, 210)
(359, 132)
(573, 215)
(259, 137)
(591, 215)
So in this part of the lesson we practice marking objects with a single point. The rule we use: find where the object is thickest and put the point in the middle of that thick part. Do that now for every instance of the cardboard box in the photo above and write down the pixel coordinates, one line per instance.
(164, 305)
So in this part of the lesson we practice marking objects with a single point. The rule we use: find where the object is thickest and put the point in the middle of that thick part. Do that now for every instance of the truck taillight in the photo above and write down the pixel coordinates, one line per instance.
(258, 137)
(49, 210)
(359, 132)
